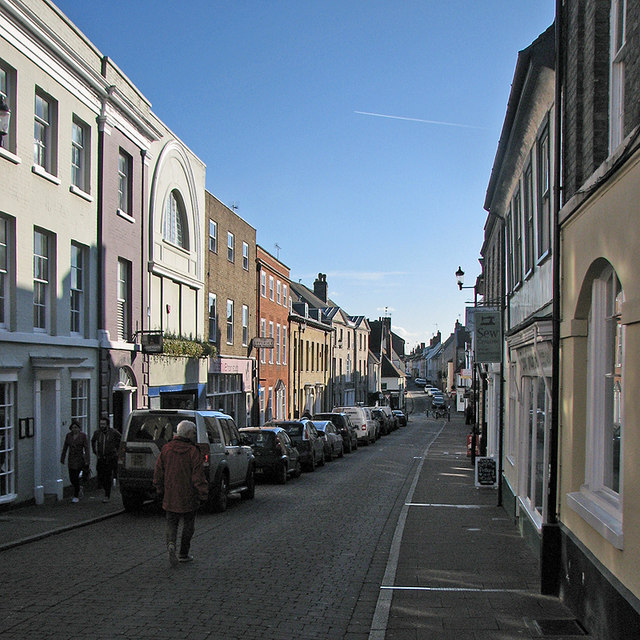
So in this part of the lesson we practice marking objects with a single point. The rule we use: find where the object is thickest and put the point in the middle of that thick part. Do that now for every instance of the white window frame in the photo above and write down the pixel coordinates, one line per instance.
(213, 318)
(245, 325)
(7, 438)
(123, 300)
(263, 334)
(44, 132)
(7, 91)
(80, 148)
(271, 336)
(42, 278)
(616, 71)
(245, 256)
(175, 230)
(79, 402)
(284, 294)
(6, 251)
(213, 236)
(231, 247)
(77, 289)
(284, 344)
(230, 306)
(278, 342)
(125, 164)
(543, 192)
(263, 284)
(279, 292)
(271, 283)
(599, 504)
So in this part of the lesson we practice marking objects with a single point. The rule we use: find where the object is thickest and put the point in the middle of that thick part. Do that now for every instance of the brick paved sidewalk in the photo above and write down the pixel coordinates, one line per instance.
(463, 570)
(27, 523)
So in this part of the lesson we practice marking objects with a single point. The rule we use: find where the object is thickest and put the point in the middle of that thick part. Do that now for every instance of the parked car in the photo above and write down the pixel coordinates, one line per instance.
(420, 382)
(275, 454)
(403, 419)
(393, 422)
(228, 465)
(383, 422)
(431, 390)
(332, 439)
(345, 428)
(365, 425)
(306, 440)
(438, 405)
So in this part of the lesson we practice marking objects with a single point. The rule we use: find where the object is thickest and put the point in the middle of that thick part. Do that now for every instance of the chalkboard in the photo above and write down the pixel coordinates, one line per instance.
(486, 475)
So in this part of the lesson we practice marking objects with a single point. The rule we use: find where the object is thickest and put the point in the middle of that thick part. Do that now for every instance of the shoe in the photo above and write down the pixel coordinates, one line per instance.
(74, 500)
(187, 558)
(173, 558)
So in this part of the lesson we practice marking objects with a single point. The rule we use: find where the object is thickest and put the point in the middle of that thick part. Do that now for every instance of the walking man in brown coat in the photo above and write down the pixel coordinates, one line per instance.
(179, 478)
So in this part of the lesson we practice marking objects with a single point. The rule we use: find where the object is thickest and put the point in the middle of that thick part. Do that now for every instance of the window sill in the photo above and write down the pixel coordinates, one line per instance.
(125, 216)
(80, 193)
(43, 173)
(606, 524)
(7, 155)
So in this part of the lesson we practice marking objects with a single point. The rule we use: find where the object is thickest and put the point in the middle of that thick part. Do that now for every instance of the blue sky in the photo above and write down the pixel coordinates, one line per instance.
(286, 101)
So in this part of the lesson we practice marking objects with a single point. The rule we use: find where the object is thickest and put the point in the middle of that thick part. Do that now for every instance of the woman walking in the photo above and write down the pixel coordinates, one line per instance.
(77, 443)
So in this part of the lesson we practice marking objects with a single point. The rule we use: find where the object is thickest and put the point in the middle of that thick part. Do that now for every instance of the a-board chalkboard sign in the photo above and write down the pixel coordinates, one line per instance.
(486, 474)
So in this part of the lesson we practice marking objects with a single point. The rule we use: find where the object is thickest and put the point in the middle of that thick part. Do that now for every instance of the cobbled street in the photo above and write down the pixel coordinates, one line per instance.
(304, 560)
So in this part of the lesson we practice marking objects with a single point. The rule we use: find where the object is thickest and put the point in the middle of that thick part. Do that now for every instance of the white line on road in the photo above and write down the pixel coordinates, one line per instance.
(383, 606)
(455, 589)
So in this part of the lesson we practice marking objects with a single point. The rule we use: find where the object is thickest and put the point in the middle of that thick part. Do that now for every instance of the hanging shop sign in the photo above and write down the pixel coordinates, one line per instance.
(488, 336)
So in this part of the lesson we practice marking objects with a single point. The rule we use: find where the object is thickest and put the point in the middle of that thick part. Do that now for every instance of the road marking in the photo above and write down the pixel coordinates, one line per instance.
(448, 506)
(383, 606)
(455, 589)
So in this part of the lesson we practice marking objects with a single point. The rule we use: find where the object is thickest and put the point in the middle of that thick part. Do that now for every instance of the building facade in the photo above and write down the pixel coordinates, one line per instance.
(274, 300)
(231, 310)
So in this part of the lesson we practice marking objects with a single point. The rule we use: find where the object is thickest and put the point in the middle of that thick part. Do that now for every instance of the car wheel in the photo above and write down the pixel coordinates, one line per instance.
(297, 471)
(281, 473)
(220, 496)
(132, 502)
(341, 452)
(250, 492)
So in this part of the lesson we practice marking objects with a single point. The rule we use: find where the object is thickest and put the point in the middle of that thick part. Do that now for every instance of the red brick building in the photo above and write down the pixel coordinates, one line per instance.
(273, 303)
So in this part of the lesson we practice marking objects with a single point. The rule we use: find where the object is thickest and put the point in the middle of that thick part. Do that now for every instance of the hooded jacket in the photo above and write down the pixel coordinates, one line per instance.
(179, 476)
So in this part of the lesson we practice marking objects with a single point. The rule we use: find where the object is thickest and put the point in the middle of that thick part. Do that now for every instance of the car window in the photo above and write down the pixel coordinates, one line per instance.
(233, 430)
(312, 430)
(213, 433)
(153, 428)
(227, 433)
(294, 430)
(285, 438)
(260, 438)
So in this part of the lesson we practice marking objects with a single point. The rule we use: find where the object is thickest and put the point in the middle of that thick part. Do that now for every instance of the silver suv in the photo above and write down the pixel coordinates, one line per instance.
(228, 464)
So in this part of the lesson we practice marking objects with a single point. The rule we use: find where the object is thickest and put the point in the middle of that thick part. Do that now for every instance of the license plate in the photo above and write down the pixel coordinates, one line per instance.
(138, 460)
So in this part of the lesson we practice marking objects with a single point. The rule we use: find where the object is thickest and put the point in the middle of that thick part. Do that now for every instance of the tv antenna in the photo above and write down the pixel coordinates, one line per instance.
(235, 205)
(278, 247)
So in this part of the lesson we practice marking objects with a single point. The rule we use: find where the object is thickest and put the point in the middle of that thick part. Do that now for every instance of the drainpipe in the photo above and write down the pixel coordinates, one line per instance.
(550, 553)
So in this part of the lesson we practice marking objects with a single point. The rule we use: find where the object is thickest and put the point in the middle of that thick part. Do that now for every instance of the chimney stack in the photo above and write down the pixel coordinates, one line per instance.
(320, 287)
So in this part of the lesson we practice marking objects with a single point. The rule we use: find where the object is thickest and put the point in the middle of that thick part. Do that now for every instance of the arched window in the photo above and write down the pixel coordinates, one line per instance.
(599, 500)
(175, 228)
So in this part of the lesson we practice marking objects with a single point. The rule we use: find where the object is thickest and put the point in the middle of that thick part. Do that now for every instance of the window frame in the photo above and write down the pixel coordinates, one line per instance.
(231, 247)
(125, 182)
(8, 442)
(617, 40)
(245, 325)
(230, 313)
(175, 230)
(7, 249)
(77, 303)
(599, 504)
(213, 236)
(543, 192)
(123, 300)
(8, 91)
(42, 281)
(45, 142)
(213, 319)
(245, 256)
(80, 156)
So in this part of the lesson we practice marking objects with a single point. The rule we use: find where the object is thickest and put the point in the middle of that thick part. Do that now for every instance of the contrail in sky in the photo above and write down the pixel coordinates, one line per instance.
(446, 124)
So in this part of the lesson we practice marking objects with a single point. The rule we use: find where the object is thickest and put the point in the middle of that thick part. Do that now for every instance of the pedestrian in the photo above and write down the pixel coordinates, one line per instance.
(77, 443)
(179, 478)
(104, 443)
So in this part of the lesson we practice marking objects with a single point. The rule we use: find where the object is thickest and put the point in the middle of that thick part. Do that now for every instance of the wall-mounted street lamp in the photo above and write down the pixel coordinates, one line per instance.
(460, 279)
(5, 118)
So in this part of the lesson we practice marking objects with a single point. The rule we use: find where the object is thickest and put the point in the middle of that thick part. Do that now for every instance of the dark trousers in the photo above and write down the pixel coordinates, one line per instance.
(188, 527)
(106, 470)
(74, 476)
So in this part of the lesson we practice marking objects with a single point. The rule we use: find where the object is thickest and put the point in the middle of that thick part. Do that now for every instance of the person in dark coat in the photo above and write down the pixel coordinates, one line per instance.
(77, 444)
(104, 443)
(179, 478)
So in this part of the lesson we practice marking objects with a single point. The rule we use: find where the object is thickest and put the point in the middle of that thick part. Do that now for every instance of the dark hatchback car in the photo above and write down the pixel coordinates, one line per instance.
(275, 454)
(344, 427)
(305, 439)
(402, 417)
